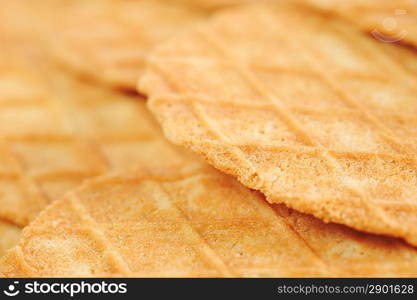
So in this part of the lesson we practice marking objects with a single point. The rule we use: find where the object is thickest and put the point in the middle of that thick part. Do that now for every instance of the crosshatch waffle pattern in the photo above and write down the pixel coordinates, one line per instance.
(388, 21)
(56, 131)
(119, 35)
(192, 222)
(317, 122)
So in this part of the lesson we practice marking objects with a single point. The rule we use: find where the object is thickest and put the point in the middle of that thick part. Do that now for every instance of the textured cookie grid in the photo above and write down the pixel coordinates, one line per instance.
(314, 121)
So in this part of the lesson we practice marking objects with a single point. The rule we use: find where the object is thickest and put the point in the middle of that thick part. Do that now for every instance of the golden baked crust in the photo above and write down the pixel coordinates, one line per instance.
(192, 222)
(299, 106)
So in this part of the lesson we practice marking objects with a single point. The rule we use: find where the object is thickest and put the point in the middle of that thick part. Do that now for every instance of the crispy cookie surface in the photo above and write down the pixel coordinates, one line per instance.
(299, 106)
(192, 222)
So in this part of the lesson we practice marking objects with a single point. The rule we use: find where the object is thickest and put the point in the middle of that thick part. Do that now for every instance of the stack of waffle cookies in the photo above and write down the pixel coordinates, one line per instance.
(195, 138)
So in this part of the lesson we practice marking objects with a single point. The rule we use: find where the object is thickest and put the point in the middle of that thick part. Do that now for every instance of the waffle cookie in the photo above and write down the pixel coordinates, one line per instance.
(299, 106)
(192, 222)
(108, 40)
(386, 20)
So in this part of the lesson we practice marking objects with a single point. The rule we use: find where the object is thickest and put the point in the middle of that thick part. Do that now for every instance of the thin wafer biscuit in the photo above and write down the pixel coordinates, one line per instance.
(107, 40)
(192, 222)
(299, 106)
(388, 21)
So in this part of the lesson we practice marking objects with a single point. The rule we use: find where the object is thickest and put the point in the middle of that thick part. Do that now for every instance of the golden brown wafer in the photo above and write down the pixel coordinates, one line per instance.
(388, 21)
(106, 40)
(299, 106)
(192, 222)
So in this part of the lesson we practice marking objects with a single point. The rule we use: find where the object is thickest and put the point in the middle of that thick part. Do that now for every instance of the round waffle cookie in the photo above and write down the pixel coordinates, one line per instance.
(110, 39)
(386, 20)
(299, 106)
(192, 222)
